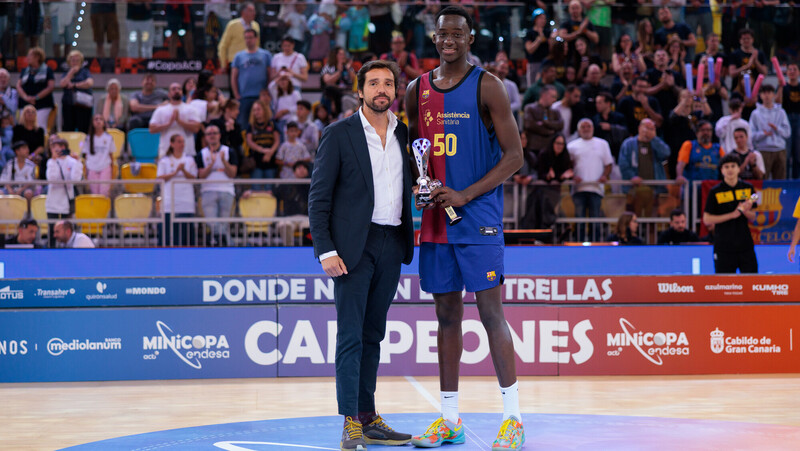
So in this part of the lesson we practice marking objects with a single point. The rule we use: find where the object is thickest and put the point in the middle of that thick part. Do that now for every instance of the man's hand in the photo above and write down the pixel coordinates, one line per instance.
(680, 180)
(790, 254)
(447, 197)
(772, 126)
(334, 266)
(636, 181)
(567, 174)
(602, 179)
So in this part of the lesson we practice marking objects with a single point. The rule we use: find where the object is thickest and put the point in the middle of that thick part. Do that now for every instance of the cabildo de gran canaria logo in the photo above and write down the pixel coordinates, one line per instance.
(191, 349)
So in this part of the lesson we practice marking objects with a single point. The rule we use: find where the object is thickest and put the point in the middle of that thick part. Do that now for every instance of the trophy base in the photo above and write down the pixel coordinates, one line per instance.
(451, 213)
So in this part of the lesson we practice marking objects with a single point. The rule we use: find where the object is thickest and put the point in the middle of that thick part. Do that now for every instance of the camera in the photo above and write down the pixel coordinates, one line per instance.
(64, 152)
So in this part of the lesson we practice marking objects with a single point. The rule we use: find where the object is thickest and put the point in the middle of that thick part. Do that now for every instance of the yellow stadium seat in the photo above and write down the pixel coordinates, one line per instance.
(119, 142)
(133, 206)
(92, 206)
(74, 140)
(258, 205)
(147, 171)
(39, 213)
(12, 208)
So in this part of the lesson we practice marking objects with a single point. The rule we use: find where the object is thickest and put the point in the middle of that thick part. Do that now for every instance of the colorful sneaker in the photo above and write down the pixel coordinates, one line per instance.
(511, 435)
(352, 437)
(439, 433)
(379, 433)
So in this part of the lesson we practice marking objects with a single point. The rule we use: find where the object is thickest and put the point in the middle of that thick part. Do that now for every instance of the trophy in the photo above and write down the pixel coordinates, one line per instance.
(423, 198)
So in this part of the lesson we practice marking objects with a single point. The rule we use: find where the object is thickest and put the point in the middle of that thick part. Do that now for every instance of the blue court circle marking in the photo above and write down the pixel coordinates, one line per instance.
(543, 431)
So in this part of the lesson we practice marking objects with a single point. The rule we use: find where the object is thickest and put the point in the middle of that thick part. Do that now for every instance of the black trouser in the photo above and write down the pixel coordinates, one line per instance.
(729, 262)
(76, 118)
(363, 297)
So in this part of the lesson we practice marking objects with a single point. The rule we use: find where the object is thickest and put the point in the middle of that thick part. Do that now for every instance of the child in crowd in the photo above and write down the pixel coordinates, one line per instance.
(97, 149)
(291, 152)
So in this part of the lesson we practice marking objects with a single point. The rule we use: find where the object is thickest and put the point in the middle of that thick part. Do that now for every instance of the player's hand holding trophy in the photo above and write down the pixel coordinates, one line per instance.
(421, 148)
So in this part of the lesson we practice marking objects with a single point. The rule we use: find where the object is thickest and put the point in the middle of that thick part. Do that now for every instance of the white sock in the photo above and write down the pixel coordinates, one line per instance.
(450, 406)
(511, 402)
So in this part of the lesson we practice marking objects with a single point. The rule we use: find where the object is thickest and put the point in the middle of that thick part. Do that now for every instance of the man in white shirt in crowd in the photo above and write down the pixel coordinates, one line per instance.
(726, 125)
(217, 162)
(66, 235)
(568, 108)
(290, 61)
(175, 117)
(61, 167)
(592, 163)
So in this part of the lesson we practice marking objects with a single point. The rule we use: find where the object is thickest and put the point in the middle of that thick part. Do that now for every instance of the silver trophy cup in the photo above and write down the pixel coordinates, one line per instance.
(421, 148)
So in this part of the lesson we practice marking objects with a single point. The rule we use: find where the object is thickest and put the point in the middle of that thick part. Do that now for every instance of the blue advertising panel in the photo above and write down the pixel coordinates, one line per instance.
(135, 344)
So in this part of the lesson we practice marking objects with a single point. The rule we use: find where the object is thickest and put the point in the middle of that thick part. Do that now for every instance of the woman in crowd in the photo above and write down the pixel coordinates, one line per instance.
(554, 167)
(338, 76)
(29, 132)
(284, 100)
(321, 116)
(677, 55)
(263, 139)
(76, 105)
(627, 230)
(626, 52)
(582, 59)
(646, 41)
(230, 130)
(114, 106)
(35, 86)
(558, 56)
(537, 44)
(189, 87)
(98, 150)
(178, 199)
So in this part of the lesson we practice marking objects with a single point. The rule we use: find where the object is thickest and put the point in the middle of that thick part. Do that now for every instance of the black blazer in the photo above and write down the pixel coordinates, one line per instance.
(342, 195)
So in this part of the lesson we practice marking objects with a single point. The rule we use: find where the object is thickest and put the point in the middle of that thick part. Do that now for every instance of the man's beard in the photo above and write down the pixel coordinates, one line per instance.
(372, 106)
(177, 97)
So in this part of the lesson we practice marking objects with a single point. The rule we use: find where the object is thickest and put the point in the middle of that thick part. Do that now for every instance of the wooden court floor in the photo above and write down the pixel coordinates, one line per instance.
(47, 416)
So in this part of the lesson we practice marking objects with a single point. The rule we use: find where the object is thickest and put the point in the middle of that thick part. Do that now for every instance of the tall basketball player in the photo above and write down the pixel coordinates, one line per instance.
(465, 113)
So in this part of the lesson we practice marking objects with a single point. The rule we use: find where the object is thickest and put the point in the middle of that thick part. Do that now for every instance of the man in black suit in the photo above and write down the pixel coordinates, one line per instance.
(360, 215)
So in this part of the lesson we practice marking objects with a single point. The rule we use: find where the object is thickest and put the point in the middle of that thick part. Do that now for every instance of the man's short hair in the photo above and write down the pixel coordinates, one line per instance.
(547, 88)
(68, 225)
(730, 158)
(304, 103)
(547, 65)
(251, 30)
(302, 163)
(377, 64)
(28, 222)
(743, 130)
(292, 124)
(571, 88)
(703, 123)
(735, 104)
(641, 78)
(766, 87)
(745, 31)
(606, 96)
(288, 38)
(455, 11)
(149, 75)
(675, 213)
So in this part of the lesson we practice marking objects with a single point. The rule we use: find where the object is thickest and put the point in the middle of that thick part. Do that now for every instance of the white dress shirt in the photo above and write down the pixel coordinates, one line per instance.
(387, 174)
(79, 240)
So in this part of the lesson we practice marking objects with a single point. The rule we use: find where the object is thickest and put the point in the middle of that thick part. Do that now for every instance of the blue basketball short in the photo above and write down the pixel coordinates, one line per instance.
(452, 267)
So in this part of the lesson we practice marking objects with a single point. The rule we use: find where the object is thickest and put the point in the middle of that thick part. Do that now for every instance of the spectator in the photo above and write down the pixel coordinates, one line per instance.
(177, 199)
(249, 74)
(626, 233)
(27, 230)
(623, 83)
(59, 22)
(263, 139)
(646, 40)
(309, 133)
(298, 25)
(9, 97)
(217, 14)
(671, 28)
(233, 39)
(599, 15)
(29, 132)
(676, 54)
(217, 162)
(577, 25)
(291, 151)
(541, 123)
(98, 149)
(294, 197)
(790, 104)
(356, 23)
(511, 88)
(571, 109)
(69, 238)
(20, 169)
(180, 27)
(105, 27)
(625, 52)
(77, 102)
(770, 127)
(206, 103)
(320, 25)
(677, 233)
(337, 82)
(141, 29)
(548, 78)
(752, 166)
(726, 125)
(537, 44)
(698, 14)
(188, 88)
(729, 207)
(175, 117)
(554, 167)
(29, 26)
(699, 159)
(114, 106)
(715, 92)
(380, 16)
(746, 58)
(558, 57)
(665, 83)
(144, 103)
(582, 60)
(321, 116)
(61, 167)
(406, 61)
(682, 123)
(290, 62)
(230, 130)
(284, 100)
(641, 158)
(591, 88)
(35, 86)
(592, 163)
(640, 106)
(609, 125)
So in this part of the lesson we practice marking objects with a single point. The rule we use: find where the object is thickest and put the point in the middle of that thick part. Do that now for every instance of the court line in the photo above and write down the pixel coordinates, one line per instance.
(232, 446)
(426, 394)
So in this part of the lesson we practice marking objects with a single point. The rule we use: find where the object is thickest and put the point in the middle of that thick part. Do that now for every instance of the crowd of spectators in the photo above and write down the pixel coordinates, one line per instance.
(602, 95)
